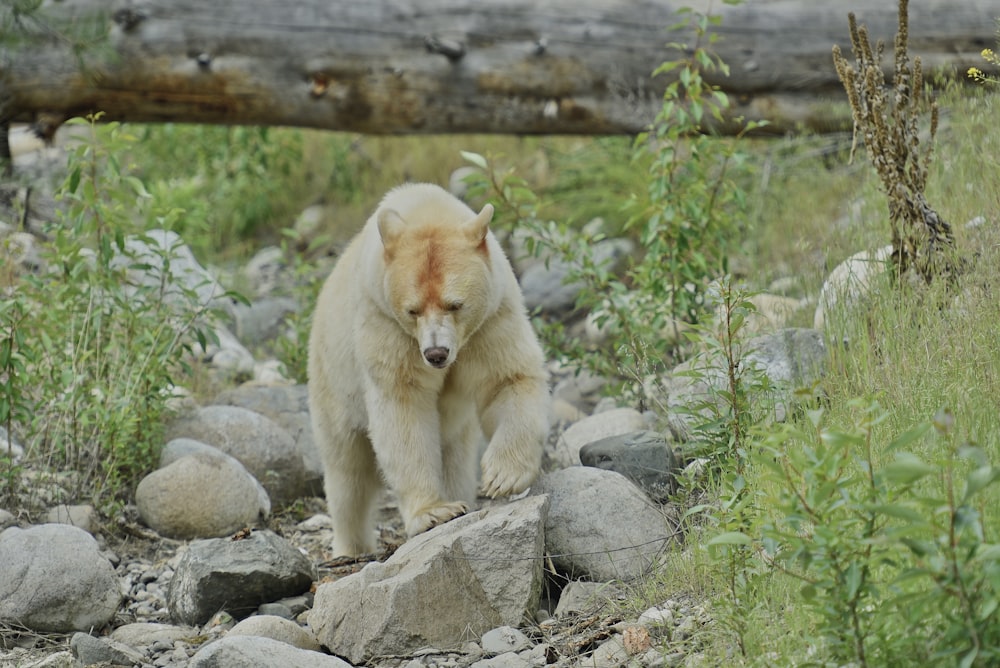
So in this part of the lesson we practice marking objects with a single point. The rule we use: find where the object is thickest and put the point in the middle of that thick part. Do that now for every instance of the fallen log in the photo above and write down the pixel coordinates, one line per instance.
(446, 66)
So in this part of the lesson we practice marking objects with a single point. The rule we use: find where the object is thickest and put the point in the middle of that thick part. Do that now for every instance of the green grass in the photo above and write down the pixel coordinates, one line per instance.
(914, 351)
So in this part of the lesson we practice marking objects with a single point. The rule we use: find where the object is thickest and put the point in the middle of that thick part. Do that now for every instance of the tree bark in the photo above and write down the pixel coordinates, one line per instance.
(453, 66)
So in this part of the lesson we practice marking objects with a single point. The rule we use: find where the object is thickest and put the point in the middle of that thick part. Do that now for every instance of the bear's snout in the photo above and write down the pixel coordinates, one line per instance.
(437, 356)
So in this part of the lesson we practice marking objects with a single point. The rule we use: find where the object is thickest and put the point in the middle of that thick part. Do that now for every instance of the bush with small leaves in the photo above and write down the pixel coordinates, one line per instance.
(892, 556)
(93, 353)
(687, 224)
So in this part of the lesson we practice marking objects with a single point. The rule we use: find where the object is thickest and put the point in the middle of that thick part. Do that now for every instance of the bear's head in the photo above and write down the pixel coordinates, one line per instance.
(438, 280)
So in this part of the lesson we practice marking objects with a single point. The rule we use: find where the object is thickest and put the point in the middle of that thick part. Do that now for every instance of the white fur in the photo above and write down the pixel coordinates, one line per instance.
(382, 411)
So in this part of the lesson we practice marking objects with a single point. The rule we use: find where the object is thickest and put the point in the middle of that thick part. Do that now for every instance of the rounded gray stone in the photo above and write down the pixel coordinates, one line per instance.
(103, 651)
(54, 578)
(644, 457)
(504, 639)
(199, 495)
(254, 652)
(266, 449)
(600, 526)
(276, 628)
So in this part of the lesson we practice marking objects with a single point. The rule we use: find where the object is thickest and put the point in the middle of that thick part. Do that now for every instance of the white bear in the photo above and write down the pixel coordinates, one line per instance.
(421, 351)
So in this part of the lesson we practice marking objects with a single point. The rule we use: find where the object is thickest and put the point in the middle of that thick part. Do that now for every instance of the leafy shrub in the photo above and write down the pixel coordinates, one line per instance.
(89, 355)
(231, 181)
(892, 557)
(687, 225)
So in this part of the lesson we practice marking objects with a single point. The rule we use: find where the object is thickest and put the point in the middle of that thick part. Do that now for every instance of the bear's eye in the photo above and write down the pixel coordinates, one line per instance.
(413, 312)
(454, 306)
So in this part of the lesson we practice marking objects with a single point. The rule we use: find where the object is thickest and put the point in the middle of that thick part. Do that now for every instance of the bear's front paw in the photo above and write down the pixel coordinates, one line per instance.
(499, 481)
(433, 516)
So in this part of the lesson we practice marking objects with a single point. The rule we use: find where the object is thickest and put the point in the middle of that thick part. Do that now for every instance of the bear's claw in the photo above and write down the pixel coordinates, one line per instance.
(505, 484)
(434, 516)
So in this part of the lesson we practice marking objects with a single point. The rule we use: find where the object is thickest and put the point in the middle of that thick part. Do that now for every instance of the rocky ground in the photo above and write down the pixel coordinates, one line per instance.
(583, 624)
(602, 530)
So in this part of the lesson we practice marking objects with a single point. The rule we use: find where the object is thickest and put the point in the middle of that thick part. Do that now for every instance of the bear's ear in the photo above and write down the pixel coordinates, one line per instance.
(390, 227)
(476, 229)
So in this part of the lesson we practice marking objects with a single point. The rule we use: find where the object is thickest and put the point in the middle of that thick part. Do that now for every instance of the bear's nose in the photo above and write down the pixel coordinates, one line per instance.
(437, 357)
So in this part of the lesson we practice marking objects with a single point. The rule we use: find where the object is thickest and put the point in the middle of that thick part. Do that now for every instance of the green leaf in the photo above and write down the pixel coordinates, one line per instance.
(694, 510)
(771, 461)
(854, 575)
(476, 159)
(909, 437)
(685, 77)
(730, 538)
(74, 180)
(696, 111)
(986, 552)
(978, 479)
(919, 548)
(906, 469)
(840, 440)
(975, 453)
(137, 186)
(899, 512)
(989, 607)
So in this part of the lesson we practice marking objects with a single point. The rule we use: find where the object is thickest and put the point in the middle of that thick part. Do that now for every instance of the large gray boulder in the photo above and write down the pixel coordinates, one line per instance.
(181, 447)
(262, 320)
(261, 445)
(288, 406)
(460, 579)
(53, 578)
(794, 356)
(253, 652)
(200, 495)
(850, 283)
(600, 526)
(236, 575)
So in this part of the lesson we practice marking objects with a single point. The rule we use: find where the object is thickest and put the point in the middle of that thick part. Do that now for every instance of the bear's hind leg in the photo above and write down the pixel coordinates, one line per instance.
(351, 483)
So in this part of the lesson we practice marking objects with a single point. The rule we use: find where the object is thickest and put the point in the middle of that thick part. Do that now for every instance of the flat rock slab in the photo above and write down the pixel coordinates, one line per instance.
(460, 579)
